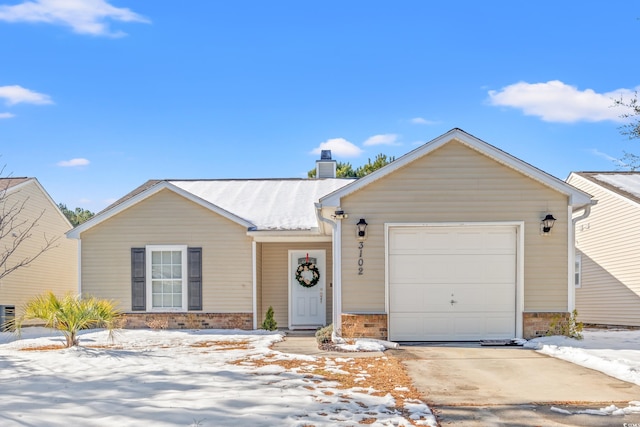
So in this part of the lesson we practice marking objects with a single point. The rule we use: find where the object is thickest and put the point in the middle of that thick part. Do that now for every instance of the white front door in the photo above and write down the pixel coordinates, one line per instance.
(307, 303)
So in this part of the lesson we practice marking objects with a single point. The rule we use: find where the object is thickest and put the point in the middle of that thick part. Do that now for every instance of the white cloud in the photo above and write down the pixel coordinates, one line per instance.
(17, 94)
(73, 162)
(421, 121)
(383, 139)
(555, 101)
(608, 157)
(83, 16)
(6, 115)
(605, 156)
(340, 147)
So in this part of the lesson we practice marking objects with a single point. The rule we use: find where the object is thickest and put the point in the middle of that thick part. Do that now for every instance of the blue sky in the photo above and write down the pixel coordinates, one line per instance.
(97, 96)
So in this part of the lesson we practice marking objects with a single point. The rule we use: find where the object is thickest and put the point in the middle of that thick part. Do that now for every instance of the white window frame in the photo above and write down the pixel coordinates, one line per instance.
(149, 249)
(577, 273)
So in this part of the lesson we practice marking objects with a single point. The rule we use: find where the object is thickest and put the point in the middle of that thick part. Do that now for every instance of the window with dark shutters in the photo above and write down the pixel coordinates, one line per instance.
(194, 286)
(138, 280)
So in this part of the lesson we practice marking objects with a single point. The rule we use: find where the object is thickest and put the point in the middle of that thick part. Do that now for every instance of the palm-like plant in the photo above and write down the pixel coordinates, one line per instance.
(70, 314)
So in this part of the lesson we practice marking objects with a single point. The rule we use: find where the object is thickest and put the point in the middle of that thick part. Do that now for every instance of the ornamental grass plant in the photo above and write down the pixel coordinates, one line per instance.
(70, 314)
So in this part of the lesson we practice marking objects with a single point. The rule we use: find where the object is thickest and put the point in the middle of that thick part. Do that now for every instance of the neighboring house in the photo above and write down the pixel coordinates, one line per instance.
(453, 248)
(607, 247)
(56, 269)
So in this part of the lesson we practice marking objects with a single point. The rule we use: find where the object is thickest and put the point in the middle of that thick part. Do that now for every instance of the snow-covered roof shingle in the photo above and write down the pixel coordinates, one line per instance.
(269, 204)
(626, 184)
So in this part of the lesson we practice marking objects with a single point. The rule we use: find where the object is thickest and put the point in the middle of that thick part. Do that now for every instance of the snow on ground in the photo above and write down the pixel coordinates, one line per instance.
(184, 378)
(613, 352)
(229, 378)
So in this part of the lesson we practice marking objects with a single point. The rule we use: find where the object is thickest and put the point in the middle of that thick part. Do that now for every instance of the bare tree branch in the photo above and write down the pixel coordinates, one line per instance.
(15, 229)
(631, 129)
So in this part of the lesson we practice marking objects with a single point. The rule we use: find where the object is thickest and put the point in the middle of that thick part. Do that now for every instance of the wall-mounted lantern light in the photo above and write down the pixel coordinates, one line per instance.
(361, 229)
(547, 223)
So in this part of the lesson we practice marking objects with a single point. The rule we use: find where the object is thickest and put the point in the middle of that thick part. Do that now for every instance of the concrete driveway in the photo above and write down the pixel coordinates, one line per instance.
(470, 385)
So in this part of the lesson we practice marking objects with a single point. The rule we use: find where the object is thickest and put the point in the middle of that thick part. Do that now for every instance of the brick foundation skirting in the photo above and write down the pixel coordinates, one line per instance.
(536, 324)
(364, 326)
(188, 321)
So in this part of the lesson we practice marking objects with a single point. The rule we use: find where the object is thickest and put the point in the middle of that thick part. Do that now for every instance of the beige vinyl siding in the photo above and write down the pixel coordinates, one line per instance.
(167, 218)
(275, 280)
(456, 184)
(609, 240)
(56, 270)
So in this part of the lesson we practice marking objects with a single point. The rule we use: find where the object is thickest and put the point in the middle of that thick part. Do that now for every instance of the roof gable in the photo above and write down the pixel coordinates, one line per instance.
(11, 185)
(623, 183)
(268, 204)
(137, 196)
(577, 198)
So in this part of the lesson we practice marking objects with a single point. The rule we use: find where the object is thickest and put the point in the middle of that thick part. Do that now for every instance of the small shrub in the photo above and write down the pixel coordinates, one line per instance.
(269, 322)
(569, 327)
(323, 335)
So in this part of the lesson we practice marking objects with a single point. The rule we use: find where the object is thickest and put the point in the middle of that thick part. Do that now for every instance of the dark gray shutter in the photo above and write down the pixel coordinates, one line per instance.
(194, 286)
(138, 282)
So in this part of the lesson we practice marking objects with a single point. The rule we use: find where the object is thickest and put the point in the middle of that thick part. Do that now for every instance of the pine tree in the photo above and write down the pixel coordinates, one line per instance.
(269, 323)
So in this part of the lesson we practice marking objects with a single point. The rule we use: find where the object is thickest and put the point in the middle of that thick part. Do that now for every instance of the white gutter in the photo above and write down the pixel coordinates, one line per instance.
(254, 284)
(571, 235)
(336, 228)
(79, 267)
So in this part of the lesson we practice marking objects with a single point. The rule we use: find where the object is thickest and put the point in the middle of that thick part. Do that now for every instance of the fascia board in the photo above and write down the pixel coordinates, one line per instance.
(46, 195)
(288, 236)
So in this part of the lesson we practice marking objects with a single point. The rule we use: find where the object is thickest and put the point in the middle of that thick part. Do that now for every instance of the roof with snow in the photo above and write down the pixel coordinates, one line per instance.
(269, 204)
(258, 204)
(626, 184)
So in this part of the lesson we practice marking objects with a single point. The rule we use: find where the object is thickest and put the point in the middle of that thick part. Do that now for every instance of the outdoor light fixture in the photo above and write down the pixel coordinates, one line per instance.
(547, 223)
(361, 228)
(339, 214)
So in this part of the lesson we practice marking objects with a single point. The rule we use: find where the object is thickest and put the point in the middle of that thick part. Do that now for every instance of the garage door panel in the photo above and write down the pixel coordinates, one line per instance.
(449, 327)
(409, 298)
(429, 267)
(415, 326)
(498, 268)
(406, 241)
(469, 242)
(467, 325)
(406, 269)
(413, 268)
(414, 298)
(500, 326)
(501, 242)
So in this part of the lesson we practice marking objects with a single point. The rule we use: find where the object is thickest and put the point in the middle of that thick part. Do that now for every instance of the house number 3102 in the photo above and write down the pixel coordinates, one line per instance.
(360, 259)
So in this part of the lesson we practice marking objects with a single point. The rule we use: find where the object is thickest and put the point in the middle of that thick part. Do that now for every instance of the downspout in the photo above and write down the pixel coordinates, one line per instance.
(254, 283)
(585, 213)
(571, 301)
(79, 271)
(337, 270)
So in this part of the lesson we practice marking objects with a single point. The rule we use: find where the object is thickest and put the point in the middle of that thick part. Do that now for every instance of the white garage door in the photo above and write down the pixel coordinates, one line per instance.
(452, 283)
